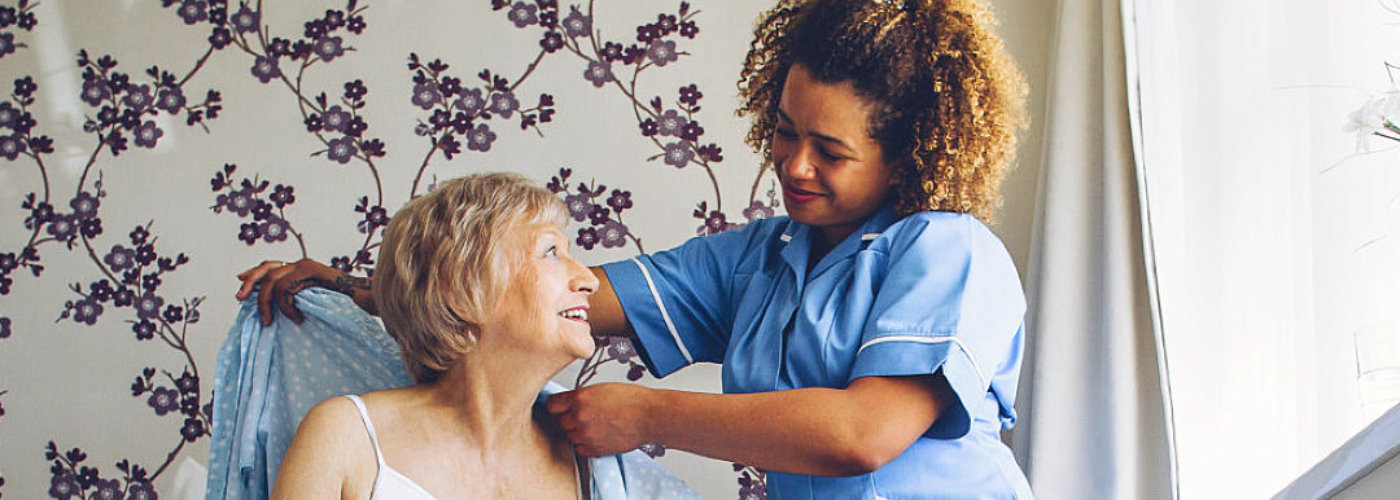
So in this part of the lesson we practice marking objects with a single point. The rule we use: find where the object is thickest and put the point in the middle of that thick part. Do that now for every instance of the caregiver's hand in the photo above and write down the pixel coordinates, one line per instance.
(280, 282)
(603, 419)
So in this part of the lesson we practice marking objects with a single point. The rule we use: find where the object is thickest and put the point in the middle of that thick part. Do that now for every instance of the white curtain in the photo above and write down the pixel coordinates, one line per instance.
(1272, 241)
(1094, 413)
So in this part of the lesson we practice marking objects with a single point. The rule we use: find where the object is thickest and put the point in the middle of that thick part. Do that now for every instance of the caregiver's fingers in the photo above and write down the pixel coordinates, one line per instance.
(281, 285)
(253, 277)
(567, 422)
(588, 451)
(561, 402)
(286, 297)
(274, 285)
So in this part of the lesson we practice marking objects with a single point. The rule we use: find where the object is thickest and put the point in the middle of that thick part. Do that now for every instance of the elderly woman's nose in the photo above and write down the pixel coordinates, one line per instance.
(582, 279)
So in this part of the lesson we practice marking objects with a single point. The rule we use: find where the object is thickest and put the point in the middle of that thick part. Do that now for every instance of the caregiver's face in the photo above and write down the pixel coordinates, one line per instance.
(832, 171)
(545, 305)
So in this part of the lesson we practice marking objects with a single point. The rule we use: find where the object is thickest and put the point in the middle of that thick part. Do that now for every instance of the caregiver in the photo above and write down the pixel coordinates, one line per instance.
(870, 340)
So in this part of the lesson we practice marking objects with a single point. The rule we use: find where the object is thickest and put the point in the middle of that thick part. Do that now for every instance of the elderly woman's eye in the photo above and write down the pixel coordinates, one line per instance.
(552, 251)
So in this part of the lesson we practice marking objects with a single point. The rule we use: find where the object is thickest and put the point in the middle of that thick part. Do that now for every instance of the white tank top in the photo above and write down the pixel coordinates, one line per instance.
(390, 484)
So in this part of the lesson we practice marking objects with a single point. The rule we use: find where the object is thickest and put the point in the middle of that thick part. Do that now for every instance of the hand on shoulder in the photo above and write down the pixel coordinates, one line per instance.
(278, 283)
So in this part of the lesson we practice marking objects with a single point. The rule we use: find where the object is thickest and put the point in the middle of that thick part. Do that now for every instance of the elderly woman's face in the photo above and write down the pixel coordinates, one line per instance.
(545, 305)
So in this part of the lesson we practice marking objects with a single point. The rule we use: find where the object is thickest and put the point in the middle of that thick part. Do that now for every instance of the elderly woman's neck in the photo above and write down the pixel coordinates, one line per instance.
(491, 398)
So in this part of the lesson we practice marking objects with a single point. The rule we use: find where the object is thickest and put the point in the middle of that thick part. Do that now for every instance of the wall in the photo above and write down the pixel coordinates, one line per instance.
(83, 368)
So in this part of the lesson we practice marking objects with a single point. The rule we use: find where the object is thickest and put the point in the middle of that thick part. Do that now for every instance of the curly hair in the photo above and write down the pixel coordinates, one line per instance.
(948, 101)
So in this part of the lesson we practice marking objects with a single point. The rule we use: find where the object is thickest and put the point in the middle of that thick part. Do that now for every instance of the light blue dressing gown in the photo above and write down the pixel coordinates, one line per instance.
(267, 378)
(931, 291)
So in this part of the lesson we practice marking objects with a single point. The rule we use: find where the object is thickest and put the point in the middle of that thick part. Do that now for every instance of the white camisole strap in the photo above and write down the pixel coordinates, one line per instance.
(391, 484)
(369, 427)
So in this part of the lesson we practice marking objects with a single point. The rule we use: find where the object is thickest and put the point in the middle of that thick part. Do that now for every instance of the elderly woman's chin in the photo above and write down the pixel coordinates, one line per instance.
(571, 333)
(580, 344)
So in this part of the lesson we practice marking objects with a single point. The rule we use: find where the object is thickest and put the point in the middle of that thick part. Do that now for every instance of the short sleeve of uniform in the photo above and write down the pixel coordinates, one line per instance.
(679, 301)
(950, 299)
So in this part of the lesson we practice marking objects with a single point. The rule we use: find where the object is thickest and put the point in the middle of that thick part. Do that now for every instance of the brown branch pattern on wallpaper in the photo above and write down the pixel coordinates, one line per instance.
(65, 225)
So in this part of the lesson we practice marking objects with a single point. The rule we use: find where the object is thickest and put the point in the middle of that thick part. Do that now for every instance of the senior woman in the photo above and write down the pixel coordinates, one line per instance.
(476, 285)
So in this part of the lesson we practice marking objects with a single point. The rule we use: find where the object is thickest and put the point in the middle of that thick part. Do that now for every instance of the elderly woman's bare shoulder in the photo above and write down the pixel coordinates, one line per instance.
(330, 453)
(336, 426)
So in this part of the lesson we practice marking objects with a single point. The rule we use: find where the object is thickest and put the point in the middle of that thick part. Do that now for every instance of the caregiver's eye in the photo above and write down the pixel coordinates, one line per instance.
(830, 156)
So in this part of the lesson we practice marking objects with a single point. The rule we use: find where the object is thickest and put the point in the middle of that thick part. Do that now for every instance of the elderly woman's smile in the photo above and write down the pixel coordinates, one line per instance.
(547, 295)
(579, 314)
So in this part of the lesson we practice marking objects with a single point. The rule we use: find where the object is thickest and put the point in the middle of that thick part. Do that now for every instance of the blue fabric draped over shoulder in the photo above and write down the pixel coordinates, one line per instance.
(268, 377)
(930, 292)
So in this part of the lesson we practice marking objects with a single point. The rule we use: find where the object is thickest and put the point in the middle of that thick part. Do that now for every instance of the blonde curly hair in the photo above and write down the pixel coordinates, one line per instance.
(948, 101)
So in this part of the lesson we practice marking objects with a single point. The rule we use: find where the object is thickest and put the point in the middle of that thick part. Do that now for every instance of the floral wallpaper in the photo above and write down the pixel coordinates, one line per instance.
(152, 149)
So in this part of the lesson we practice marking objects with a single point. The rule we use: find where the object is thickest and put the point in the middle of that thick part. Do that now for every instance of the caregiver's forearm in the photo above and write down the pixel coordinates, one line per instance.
(605, 314)
(359, 289)
(817, 431)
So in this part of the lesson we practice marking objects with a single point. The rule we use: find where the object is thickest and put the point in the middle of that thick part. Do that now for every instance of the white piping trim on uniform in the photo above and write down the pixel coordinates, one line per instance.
(869, 236)
(785, 237)
(656, 296)
(925, 340)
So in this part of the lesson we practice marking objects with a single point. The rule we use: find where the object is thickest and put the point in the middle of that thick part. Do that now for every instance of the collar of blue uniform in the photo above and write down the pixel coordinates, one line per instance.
(798, 238)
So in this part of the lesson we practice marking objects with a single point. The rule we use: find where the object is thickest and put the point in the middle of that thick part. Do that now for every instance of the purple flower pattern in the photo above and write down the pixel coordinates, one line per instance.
(470, 102)
(117, 118)
(753, 483)
(107, 489)
(662, 52)
(577, 24)
(599, 73)
(95, 92)
(678, 154)
(72, 479)
(147, 134)
(11, 147)
(605, 226)
(329, 47)
(7, 44)
(426, 95)
(86, 311)
(266, 69)
(164, 400)
(480, 138)
(244, 198)
(336, 119)
(171, 100)
(137, 97)
(504, 103)
(712, 221)
(245, 20)
(653, 450)
(456, 111)
(341, 150)
(524, 14)
(194, 11)
(670, 123)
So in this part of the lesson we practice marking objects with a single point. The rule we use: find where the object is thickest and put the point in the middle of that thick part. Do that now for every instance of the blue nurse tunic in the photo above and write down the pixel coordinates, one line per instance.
(931, 291)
